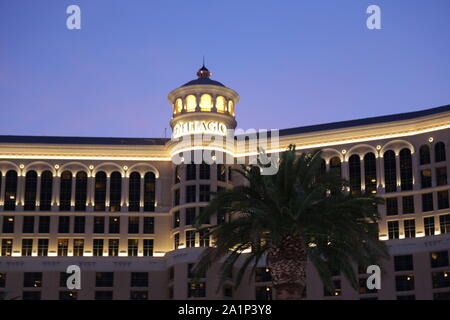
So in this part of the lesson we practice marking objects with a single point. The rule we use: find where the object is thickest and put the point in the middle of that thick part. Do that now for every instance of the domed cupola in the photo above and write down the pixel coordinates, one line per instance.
(202, 105)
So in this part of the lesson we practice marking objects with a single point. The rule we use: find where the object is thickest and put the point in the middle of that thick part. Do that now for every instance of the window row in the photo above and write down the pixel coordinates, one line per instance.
(205, 102)
(194, 193)
(73, 191)
(438, 259)
(409, 227)
(203, 172)
(193, 238)
(407, 203)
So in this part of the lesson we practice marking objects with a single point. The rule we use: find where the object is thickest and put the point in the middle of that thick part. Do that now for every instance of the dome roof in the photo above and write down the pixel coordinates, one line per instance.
(203, 79)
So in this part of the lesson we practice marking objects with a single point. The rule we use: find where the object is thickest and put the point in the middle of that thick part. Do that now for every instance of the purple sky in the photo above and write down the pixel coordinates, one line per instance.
(293, 62)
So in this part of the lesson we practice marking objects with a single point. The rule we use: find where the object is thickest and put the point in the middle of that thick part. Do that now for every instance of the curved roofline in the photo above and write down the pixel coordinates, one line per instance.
(82, 140)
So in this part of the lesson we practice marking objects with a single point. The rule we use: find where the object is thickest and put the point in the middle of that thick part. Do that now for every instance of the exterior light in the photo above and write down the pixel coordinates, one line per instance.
(21, 166)
(344, 151)
(57, 166)
(125, 168)
(378, 147)
(91, 167)
(430, 139)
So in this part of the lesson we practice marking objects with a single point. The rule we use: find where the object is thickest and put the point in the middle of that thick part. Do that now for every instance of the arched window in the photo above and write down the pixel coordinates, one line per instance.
(115, 191)
(134, 195)
(205, 102)
(30, 191)
(10, 190)
(370, 172)
(177, 174)
(354, 164)
(100, 191)
(335, 165)
(81, 182)
(406, 173)
(191, 103)
(424, 153)
(178, 105)
(220, 104)
(149, 191)
(231, 107)
(439, 152)
(45, 202)
(390, 173)
(65, 191)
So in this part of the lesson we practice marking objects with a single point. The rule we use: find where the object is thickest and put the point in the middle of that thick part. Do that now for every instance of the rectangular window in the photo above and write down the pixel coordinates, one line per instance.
(99, 224)
(410, 228)
(63, 224)
(97, 248)
(114, 225)
(191, 194)
(138, 295)
(79, 224)
(176, 240)
(27, 247)
(441, 176)
(149, 225)
(404, 282)
(63, 247)
(444, 221)
(428, 224)
(439, 259)
(205, 220)
(2, 279)
(427, 202)
(104, 279)
(44, 224)
(32, 279)
(191, 172)
(408, 204)
(133, 225)
(103, 295)
(441, 279)
(391, 206)
(7, 245)
(190, 216)
(262, 275)
(363, 287)
(204, 238)
(43, 247)
(442, 199)
(337, 289)
(8, 224)
(148, 247)
(139, 279)
(28, 224)
(205, 193)
(393, 230)
(176, 219)
(196, 289)
(190, 238)
(132, 247)
(176, 196)
(403, 263)
(68, 295)
(63, 277)
(205, 171)
(31, 295)
(425, 178)
(113, 247)
(78, 247)
(263, 293)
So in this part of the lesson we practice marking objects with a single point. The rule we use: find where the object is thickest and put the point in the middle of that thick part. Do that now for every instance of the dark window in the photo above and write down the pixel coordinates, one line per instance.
(139, 279)
(133, 224)
(30, 191)
(263, 293)
(204, 238)
(99, 224)
(444, 221)
(149, 225)
(63, 277)
(31, 295)
(439, 259)
(425, 178)
(134, 196)
(424, 155)
(2, 279)
(205, 171)
(441, 279)
(391, 206)
(78, 247)
(132, 247)
(103, 295)
(27, 247)
(176, 219)
(408, 204)
(335, 165)
(205, 192)
(176, 240)
(406, 297)
(80, 191)
(439, 152)
(191, 274)
(177, 174)
(10, 190)
(191, 172)
(79, 224)
(28, 224)
(190, 216)
(406, 173)
(404, 283)
(230, 172)
(441, 295)
(336, 292)
(190, 238)
(221, 172)
(8, 224)
(427, 202)
(205, 220)
(64, 224)
(65, 191)
(104, 279)
(100, 191)
(390, 171)
(7, 245)
(370, 173)
(410, 228)
(149, 192)
(97, 248)
(354, 164)
(441, 176)
(63, 247)
(176, 196)
(363, 287)
(115, 192)
(196, 289)
(113, 247)
(114, 224)
(43, 247)
(44, 224)
(442, 199)
(428, 223)
(393, 229)
(32, 279)
(68, 295)
(45, 202)
(138, 295)
(191, 194)
(262, 275)
(221, 217)
(148, 247)
(403, 263)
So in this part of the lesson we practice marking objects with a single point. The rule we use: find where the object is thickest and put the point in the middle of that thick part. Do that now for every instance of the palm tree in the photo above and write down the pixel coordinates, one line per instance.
(300, 214)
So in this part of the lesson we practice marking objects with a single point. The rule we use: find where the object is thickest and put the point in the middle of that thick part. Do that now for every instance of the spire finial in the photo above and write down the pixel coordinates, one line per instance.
(204, 72)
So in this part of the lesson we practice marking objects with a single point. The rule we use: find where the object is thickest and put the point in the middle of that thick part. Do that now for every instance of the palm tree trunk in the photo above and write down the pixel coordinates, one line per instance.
(287, 263)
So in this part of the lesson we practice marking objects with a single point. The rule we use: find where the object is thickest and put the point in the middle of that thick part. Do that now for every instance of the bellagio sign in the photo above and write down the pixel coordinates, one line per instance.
(196, 127)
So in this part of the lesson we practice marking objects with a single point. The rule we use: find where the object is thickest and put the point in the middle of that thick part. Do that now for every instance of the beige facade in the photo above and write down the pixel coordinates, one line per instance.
(123, 211)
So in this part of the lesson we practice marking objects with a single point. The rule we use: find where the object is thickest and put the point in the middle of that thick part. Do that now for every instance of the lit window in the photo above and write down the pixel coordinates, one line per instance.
(191, 103)
(220, 104)
(205, 102)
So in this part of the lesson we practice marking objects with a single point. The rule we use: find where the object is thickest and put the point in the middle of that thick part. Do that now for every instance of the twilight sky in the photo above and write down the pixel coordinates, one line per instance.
(294, 62)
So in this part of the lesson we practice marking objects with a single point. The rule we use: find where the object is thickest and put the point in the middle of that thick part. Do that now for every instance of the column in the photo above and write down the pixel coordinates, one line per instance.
(55, 192)
(108, 188)
(2, 191)
(72, 193)
(125, 192)
(38, 191)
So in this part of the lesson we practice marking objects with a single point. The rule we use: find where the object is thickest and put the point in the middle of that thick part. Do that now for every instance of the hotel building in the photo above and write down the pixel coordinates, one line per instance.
(121, 210)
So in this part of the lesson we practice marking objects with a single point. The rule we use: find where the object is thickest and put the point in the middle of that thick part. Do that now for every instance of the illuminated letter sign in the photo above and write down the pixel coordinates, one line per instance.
(195, 127)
